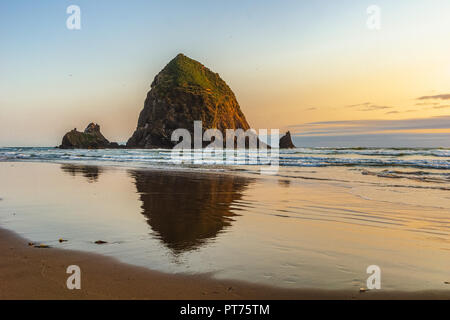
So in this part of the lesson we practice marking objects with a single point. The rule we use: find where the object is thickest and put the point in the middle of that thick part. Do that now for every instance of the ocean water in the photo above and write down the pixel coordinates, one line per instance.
(418, 158)
(425, 161)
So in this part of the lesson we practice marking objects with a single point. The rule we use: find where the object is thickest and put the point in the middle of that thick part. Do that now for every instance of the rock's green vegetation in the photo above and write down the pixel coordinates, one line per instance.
(190, 75)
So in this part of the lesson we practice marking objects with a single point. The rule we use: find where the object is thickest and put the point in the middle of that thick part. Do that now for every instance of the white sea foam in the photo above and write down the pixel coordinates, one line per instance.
(419, 158)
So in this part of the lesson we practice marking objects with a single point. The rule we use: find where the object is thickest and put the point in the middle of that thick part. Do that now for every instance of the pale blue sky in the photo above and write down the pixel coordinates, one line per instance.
(281, 58)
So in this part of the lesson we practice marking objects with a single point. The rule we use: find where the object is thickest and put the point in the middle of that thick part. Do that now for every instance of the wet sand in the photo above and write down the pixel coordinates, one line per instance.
(243, 236)
(32, 273)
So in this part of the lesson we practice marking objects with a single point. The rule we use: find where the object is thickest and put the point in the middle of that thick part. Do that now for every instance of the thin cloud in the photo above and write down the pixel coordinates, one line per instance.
(427, 104)
(374, 107)
(406, 111)
(441, 107)
(436, 97)
(367, 106)
(357, 127)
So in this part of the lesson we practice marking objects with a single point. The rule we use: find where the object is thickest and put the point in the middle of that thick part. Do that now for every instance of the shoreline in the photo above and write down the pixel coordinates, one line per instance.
(39, 274)
(184, 169)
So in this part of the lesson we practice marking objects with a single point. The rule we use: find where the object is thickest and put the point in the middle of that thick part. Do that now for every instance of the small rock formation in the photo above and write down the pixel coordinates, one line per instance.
(183, 92)
(286, 141)
(91, 138)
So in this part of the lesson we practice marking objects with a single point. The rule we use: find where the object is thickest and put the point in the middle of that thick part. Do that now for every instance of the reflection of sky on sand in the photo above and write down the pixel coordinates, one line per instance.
(282, 230)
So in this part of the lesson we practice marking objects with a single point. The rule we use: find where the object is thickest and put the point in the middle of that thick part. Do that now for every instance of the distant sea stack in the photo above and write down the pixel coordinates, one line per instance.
(183, 92)
(286, 141)
(91, 138)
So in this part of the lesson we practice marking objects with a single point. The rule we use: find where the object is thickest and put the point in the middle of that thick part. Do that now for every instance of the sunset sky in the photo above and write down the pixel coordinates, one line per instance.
(313, 67)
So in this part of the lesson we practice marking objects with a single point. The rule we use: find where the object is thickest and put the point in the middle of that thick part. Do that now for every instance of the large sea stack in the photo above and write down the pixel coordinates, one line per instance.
(183, 92)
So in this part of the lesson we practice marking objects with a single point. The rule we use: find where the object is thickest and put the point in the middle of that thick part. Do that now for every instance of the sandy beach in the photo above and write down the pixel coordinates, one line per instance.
(32, 273)
(39, 274)
(194, 235)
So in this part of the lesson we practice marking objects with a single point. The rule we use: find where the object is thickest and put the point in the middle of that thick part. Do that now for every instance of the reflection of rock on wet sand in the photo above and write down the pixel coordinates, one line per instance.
(284, 183)
(186, 210)
(90, 172)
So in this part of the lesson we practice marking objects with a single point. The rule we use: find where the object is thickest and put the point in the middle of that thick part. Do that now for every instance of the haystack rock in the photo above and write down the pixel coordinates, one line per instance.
(183, 92)
(91, 138)
(286, 141)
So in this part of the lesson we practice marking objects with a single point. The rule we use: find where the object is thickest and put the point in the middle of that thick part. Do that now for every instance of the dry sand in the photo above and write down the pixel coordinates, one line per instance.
(27, 272)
